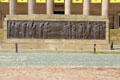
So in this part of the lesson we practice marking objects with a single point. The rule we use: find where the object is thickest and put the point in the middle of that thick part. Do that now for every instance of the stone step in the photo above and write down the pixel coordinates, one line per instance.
(58, 46)
(116, 47)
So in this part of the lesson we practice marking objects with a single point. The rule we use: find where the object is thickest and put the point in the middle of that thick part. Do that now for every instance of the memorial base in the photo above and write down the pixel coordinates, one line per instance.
(77, 33)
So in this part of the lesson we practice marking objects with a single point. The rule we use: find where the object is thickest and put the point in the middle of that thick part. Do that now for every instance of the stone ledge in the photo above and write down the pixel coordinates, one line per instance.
(56, 17)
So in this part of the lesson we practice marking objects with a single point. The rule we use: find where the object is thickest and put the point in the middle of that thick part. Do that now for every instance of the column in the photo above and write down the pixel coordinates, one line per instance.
(68, 6)
(31, 6)
(105, 7)
(50, 6)
(86, 7)
(12, 7)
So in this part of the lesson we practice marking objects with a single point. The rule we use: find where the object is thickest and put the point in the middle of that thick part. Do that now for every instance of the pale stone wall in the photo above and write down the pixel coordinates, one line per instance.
(57, 44)
(115, 36)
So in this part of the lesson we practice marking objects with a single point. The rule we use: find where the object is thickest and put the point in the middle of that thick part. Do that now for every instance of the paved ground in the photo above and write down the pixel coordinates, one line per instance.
(59, 73)
(53, 59)
(52, 66)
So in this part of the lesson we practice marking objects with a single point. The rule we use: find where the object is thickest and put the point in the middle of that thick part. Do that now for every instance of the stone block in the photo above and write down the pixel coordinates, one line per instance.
(56, 44)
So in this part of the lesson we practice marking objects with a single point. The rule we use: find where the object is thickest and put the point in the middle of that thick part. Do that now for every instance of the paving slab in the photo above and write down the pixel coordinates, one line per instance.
(59, 59)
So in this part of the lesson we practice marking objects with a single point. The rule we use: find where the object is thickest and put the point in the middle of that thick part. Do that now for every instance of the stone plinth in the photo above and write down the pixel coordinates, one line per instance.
(58, 37)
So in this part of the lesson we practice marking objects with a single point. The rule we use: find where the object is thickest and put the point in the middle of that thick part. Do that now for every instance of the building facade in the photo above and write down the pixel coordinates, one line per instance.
(40, 7)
